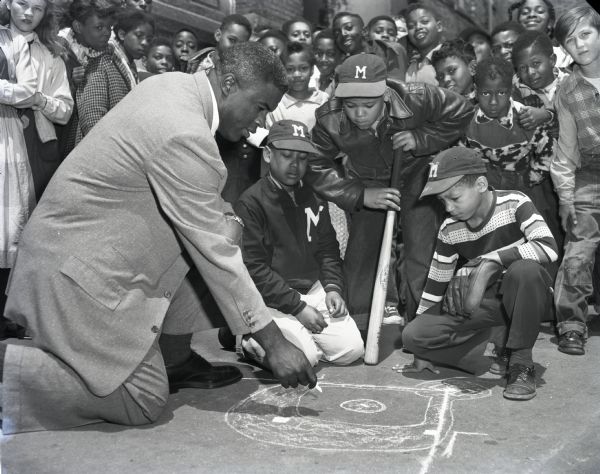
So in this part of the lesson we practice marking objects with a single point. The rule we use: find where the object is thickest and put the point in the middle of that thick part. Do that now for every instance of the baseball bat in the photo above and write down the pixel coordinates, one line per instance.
(380, 291)
(381, 276)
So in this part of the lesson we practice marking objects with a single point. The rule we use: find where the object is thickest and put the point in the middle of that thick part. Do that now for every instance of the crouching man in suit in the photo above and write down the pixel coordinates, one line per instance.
(99, 275)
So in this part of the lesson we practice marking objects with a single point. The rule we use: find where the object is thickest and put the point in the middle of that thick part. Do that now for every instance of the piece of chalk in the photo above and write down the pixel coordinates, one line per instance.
(319, 389)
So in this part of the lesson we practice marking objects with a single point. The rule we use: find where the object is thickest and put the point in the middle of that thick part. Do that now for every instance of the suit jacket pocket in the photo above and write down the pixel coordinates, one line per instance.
(103, 290)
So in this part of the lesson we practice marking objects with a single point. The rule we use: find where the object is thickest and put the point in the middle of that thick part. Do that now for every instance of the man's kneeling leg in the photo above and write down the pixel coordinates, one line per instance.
(40, 392)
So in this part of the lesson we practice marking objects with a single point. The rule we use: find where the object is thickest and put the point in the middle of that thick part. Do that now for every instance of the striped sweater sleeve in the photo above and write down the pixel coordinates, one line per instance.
(441, 271)
(537, 244)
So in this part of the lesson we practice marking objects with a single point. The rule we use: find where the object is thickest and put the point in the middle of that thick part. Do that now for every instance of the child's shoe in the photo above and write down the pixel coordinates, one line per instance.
(572, 343)
(391, 315)
(500, 364)
(521, 383)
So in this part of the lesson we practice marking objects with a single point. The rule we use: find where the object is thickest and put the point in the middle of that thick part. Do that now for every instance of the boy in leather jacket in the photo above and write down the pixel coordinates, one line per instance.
(371, 120)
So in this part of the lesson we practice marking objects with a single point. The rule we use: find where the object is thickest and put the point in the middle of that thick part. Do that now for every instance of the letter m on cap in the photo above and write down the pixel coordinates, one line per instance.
(298, 131)
(361, 72)
(433, 171)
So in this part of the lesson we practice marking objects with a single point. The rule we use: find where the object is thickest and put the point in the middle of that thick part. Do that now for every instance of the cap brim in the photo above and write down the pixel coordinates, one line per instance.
(439, 186)
(296, 145)
(360, 89)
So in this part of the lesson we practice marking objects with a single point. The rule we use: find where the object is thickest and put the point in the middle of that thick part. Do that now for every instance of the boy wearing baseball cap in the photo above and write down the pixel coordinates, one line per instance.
(506, 245)
(292, 254)
(370, 119)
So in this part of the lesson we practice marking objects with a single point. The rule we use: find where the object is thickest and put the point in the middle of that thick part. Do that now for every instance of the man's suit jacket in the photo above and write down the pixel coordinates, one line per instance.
(101, 256)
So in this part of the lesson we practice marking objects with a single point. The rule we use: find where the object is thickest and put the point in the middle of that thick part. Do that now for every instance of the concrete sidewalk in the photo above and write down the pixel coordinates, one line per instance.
(367, 419)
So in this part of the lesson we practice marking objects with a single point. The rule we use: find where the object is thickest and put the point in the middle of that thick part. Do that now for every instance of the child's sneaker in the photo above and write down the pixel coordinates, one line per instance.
(500, 364)
(521, 383)
(391, 315)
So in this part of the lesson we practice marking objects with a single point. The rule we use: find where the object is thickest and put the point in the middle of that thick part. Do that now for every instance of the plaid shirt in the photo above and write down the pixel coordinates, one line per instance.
(577, 104)
(103, 87)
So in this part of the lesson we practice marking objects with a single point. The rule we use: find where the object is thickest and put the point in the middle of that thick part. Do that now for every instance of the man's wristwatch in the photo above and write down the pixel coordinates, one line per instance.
(234, 217)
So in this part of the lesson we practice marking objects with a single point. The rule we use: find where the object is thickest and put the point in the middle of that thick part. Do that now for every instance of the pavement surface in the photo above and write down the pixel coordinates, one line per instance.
(366, 419)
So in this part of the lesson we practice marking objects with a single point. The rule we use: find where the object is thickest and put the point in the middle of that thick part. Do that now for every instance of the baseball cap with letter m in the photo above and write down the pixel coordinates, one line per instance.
(361, 75)
(449, 166)
(291, 135)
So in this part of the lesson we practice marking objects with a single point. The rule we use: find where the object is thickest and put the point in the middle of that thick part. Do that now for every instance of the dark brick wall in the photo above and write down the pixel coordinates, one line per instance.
(273, 12)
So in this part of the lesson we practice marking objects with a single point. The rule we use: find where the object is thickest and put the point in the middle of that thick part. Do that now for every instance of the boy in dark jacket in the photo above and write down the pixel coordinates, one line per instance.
(371, 122)
(291, 252)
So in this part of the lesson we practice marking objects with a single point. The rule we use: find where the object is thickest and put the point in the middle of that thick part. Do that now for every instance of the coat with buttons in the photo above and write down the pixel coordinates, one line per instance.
(103, 253)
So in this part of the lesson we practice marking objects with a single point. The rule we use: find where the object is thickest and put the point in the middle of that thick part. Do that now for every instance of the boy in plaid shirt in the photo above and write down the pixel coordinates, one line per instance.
(575, 172)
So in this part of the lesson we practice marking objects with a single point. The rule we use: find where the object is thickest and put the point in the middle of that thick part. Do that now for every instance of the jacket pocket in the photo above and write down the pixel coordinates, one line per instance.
(103, 290)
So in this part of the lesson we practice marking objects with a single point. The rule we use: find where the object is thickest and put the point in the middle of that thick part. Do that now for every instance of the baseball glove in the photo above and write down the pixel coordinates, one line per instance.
(467, 287)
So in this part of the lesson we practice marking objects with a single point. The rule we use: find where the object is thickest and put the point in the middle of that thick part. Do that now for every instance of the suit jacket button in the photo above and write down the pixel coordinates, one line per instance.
(167, 294)
(155, 329)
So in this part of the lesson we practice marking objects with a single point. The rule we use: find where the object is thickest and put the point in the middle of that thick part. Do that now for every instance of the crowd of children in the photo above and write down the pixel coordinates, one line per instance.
(486, 145)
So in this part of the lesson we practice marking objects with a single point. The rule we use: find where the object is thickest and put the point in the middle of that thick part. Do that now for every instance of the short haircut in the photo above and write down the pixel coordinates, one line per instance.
(492, 68)
(551, 13)
(508, 26)
(535, 39)
(299, 48)
(327, 33)
(236, 19)
(350, 14)
(186, 30)
(568, 21)
(288, 24)
(470, 31)
(81, 10)
(161, 41)
(418, 5)
(381, 18)
(131, 18)
(454, 48)
(469, 179)
(272, 33)
(251, 63)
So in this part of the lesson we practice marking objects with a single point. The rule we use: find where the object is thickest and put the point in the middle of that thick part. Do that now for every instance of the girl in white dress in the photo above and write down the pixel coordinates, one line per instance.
(17, 86)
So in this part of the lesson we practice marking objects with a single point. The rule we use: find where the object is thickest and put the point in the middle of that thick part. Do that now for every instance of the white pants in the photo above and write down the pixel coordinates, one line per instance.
(339, 343)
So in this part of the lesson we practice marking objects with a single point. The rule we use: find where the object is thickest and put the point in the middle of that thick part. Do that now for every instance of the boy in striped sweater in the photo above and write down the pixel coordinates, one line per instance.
(501, 246)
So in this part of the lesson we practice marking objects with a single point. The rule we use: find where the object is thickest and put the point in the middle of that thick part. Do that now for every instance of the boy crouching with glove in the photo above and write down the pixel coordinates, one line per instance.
(500, 244)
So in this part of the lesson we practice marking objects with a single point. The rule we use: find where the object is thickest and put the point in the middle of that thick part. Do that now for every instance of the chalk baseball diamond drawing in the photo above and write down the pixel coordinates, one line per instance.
(274, 415)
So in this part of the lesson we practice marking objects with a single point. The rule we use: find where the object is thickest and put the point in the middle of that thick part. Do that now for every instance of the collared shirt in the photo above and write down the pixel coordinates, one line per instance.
(546, 94)
(301, 110)
(577, 105)
(291, 193)
(81, 52)
(215, 116)
(420, 69)
(52, 83)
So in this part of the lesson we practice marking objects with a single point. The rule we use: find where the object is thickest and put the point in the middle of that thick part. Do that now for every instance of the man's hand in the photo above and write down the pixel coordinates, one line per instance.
(532, 117)
(405, 140)
(382, 198)
(78, 74)
(566, 211)
(311, 319)
(466, 289)
(288, 363)
(335, 304)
